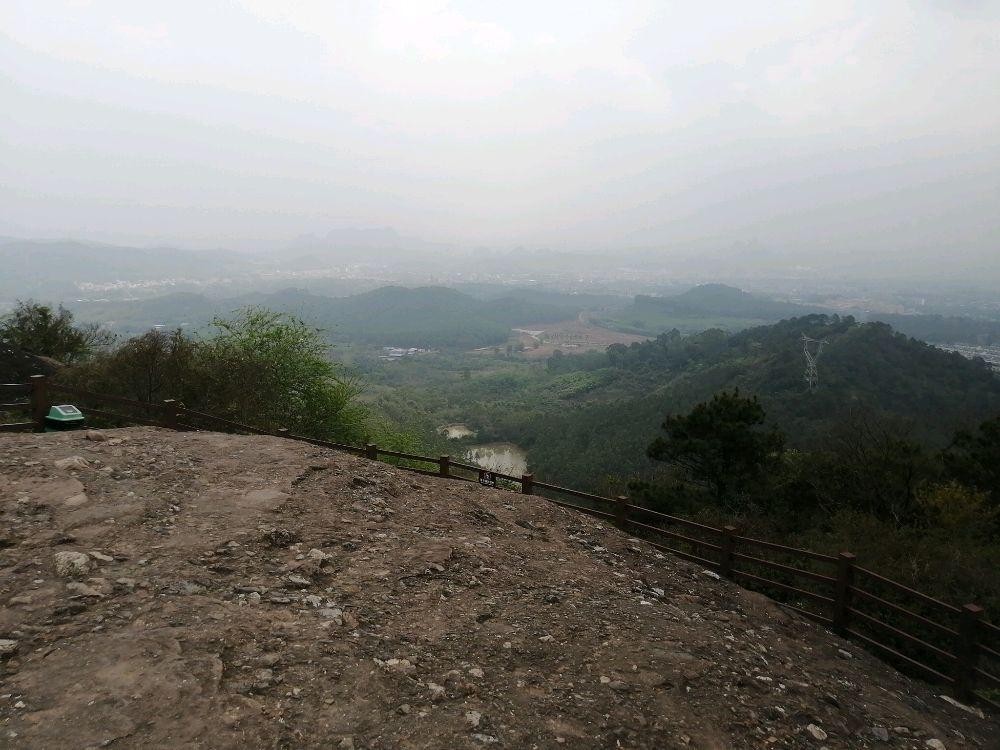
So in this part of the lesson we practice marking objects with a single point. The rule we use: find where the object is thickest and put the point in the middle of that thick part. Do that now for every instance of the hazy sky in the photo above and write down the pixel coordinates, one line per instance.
(851, 129)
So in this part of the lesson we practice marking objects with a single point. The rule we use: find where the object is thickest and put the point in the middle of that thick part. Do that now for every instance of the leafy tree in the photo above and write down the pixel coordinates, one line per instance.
(973, 458)
(616, 354)
(958, 509)
(720, 444)
(262, 368)
(39, 330)
(554, 363)
(271, 369)
(150, 367)
(871, 464)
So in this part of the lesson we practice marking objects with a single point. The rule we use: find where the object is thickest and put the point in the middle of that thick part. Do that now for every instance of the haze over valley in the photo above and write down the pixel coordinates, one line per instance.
(722, 282)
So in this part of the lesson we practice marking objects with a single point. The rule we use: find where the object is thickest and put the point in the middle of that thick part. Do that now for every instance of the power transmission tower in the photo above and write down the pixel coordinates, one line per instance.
(812, 373)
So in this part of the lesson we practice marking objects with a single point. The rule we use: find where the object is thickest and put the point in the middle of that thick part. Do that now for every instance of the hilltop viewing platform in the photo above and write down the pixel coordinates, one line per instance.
(198, 589)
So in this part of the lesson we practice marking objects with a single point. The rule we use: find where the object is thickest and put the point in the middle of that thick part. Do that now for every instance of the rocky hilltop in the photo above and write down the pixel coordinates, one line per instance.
(200, 590)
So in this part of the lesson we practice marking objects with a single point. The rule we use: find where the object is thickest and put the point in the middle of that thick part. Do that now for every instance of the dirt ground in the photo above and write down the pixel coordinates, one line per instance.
(572, 336)
(569, 336)
(200, 590)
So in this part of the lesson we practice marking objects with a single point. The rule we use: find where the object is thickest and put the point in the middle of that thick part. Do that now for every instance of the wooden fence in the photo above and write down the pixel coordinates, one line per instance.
(945, 644)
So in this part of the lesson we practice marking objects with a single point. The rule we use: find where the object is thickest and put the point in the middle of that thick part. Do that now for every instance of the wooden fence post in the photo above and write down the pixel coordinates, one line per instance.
(39, 401)
(170, 413)
(371, 451)
(621, 512)
(726, 558)
(842, 598)
(967, 651)
(444, 466)
(527, 484)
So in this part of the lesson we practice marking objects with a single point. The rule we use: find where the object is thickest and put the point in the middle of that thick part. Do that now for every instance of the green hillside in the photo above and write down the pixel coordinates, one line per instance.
(426, 316)
(698, 309)
(863, 366)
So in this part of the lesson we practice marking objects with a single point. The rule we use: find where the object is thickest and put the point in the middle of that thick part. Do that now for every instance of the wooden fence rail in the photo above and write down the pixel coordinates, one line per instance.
(954, 646)
(16, 398)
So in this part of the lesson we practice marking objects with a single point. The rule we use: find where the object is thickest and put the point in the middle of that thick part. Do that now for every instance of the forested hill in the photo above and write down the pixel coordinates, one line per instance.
(392, 316)
(863, 366)
(432, 316)
(731, 309)
(720, 299)
(705, 306)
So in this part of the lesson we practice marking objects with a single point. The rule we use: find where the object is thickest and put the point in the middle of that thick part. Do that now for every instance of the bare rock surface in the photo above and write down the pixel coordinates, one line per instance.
(218, 591)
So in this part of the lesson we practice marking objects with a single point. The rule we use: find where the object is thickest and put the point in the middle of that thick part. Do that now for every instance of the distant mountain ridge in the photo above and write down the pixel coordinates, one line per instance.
(700, 308)
(85, 260)
(391, 316)
(721, 299)
(54, 269)
(732, 309)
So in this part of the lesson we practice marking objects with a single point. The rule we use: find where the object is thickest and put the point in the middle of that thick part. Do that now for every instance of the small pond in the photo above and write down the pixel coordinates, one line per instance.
(456, 431)
(506, 458)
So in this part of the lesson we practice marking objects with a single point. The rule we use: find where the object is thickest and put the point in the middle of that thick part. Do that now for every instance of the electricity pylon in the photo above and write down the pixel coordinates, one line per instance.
(812, 373)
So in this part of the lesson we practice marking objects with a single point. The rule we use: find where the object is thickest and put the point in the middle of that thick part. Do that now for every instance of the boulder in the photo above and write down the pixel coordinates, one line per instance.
(70, 564)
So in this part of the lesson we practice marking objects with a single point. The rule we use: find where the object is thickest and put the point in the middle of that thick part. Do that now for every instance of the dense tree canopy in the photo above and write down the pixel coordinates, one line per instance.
(39, 330)
(721, 443)
(268, 368)
(974, 458)
(259, 367)
(922, 516)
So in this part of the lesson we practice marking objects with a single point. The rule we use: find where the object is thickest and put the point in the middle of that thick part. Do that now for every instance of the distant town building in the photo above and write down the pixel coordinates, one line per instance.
(397, 352)
(990, 354)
